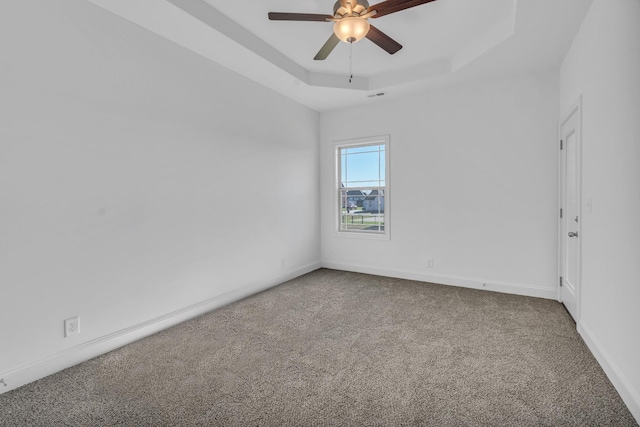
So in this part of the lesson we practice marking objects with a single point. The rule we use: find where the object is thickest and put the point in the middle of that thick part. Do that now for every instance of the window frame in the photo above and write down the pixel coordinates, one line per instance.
(337, 206)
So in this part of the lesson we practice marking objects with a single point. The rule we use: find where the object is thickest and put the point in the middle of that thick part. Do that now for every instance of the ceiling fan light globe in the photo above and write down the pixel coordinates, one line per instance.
(351, 29)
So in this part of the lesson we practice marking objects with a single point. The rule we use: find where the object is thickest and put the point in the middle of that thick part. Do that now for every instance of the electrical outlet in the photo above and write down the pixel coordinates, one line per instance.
(72, 326)
(430, 262)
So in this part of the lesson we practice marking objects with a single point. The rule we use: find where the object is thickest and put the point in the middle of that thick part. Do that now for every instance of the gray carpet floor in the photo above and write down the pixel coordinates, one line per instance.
(334, 348)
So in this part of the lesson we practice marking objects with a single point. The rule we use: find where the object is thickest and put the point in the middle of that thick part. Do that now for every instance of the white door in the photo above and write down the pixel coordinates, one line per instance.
(570, 234)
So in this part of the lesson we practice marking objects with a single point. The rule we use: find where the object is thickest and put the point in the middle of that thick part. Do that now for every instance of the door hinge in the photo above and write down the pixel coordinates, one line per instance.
(561, 144)
(560, 281)
(560, 212)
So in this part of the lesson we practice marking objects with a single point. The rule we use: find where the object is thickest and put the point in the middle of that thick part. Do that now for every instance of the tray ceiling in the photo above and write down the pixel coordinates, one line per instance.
(444, 42)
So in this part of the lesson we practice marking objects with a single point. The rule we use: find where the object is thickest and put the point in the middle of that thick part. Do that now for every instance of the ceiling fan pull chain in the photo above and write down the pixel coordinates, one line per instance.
(350, 61)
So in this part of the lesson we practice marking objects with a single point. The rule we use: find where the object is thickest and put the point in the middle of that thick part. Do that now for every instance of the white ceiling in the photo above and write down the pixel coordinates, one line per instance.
(445, 42)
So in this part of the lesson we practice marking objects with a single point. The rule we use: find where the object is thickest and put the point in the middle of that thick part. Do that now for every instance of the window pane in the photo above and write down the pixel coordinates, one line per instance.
(362, 181)
(362, 166)
(362, 210)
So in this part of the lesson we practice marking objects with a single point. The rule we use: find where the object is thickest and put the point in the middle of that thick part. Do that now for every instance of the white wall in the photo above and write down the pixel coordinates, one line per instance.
(473, 184)
(136, 179)
(603, 66)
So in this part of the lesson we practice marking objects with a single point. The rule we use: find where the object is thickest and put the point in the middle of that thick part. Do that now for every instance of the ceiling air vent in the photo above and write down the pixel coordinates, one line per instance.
(375, 95)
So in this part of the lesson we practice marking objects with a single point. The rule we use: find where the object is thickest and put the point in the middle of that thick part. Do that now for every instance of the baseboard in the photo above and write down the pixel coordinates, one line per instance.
(628, 393)
(33, 371)
(441, 279)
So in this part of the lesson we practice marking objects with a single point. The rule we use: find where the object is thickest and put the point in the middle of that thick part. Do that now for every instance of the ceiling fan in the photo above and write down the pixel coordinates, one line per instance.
(351, 23)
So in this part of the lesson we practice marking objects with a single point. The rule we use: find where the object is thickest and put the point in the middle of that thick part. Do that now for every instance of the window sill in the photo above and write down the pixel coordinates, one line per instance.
(360, 235)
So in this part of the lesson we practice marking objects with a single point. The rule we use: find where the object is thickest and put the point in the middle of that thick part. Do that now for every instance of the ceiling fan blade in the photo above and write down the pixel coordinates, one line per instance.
(392, 6)
(283, 16)
(383, 40)
(327, 48)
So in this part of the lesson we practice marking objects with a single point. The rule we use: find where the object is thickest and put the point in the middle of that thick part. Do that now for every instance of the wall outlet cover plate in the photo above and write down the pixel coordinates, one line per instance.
(72, 326)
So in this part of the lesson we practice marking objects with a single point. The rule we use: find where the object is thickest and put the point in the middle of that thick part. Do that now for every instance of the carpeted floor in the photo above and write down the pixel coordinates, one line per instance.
(337, 348)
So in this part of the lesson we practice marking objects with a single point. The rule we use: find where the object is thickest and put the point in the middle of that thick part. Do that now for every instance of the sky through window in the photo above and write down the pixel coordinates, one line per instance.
(363, 166)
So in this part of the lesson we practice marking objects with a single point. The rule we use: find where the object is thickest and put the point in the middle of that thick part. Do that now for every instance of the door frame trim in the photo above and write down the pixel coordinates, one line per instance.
(575, 109)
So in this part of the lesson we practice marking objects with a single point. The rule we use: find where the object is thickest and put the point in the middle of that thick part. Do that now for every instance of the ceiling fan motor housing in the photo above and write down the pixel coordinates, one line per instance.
(341, 8)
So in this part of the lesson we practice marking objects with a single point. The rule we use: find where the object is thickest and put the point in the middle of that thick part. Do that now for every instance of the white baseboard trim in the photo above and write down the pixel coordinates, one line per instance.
(442, 279)
(51, 364)
(628, 393)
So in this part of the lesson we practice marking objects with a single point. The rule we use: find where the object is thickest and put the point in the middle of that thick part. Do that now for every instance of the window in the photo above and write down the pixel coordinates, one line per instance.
(363, 198)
